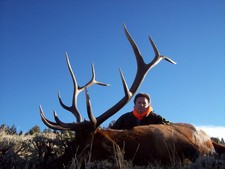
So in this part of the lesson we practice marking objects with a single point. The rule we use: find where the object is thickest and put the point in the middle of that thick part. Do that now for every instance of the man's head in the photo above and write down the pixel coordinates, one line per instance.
(145, 95)
(142, 102)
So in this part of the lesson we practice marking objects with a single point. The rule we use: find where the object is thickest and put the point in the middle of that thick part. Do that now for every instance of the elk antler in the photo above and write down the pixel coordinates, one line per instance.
(73, 109)
(142, 70)
(77, 89)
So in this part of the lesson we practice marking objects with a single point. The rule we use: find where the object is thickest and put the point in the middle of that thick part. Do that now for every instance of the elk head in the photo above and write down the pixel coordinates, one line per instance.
(93, 123)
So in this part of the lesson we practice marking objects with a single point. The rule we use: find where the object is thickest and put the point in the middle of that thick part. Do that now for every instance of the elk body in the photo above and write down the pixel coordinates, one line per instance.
(142, 144)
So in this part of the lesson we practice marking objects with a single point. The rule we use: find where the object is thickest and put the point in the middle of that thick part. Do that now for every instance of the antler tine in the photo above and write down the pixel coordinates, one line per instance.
(89, 109)
(140, 62)
(142, 70)
(127, 92)
(93, 80)
(70, 126)
(158, 56)
(49, 123)
(73, 109)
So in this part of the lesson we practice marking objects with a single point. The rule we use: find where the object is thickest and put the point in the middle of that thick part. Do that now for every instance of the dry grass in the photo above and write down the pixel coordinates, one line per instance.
(24, 151)
(201, 163)
(35, 151)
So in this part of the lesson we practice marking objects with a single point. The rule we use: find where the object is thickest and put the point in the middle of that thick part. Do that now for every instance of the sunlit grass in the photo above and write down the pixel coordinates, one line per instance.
(34, 151)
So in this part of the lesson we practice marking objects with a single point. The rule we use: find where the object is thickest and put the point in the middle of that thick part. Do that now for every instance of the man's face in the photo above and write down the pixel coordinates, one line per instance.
(141, 104)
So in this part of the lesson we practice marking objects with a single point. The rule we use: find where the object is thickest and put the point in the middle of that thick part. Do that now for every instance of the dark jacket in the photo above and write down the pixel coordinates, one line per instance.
(128, 121)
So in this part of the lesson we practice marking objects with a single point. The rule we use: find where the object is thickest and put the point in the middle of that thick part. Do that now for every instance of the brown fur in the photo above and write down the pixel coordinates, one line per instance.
(159, 144)
(220, 148)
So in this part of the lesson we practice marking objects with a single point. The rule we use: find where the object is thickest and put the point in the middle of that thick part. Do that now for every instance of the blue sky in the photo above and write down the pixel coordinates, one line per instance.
(35, 35)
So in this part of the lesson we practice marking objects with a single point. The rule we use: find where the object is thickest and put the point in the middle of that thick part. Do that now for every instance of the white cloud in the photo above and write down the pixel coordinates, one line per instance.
(214, 131)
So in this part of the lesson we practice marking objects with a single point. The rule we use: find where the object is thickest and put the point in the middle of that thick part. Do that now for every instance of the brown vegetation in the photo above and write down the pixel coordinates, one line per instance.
(27, 151)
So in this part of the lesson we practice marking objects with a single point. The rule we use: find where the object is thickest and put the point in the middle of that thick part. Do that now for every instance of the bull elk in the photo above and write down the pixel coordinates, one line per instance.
(142, 144)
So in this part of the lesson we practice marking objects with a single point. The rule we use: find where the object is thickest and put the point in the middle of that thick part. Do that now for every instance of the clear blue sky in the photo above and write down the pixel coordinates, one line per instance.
(34, 36)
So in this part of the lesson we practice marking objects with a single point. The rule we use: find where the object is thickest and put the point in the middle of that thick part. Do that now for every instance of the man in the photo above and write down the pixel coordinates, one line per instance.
(141, 115)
